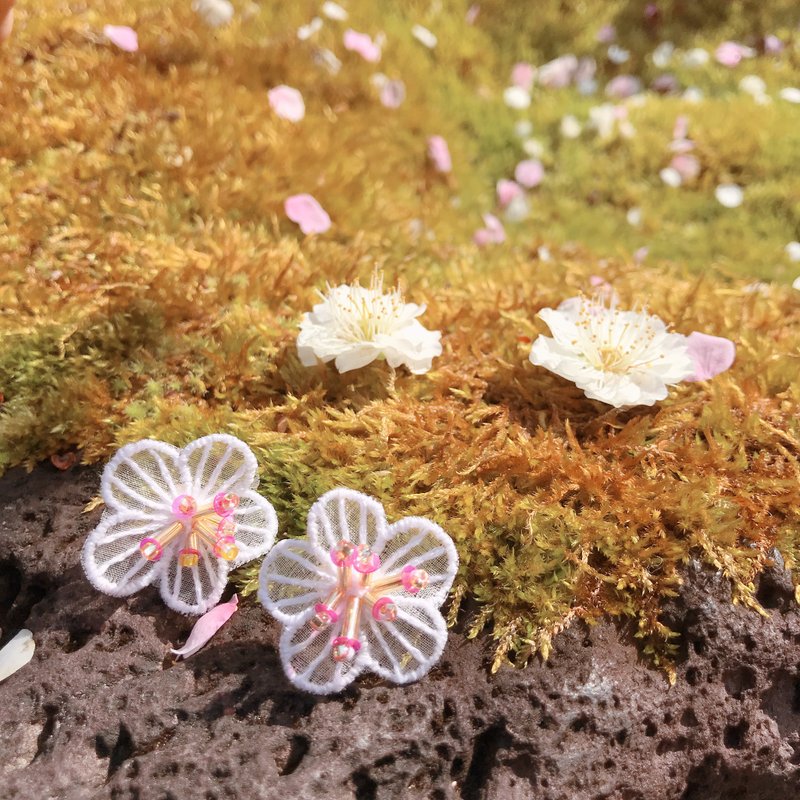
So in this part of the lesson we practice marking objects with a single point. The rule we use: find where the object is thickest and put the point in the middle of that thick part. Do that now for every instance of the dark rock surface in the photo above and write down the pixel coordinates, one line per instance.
(103, 711)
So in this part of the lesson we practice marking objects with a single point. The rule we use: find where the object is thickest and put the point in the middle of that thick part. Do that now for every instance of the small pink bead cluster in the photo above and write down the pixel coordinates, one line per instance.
(359, 591)
(212, 525)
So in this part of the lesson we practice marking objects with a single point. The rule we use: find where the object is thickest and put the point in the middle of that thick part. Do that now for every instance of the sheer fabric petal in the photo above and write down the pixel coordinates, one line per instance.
(293, 578)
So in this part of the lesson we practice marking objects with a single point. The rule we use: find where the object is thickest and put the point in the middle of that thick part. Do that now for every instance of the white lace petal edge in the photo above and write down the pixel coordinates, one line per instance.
(256, 527)
(306, 658)
(111, 558)
(143, 476)
(293, 578)
(422, 543)
(344, 514)
(219, 463)
(404, 650)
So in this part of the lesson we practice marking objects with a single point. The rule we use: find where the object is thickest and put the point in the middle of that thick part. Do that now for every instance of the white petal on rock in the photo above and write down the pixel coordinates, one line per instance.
(16, 654)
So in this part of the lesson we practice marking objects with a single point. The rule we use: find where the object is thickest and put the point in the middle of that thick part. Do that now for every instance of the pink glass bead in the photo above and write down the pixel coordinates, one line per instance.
(384, 610)
(365, 561)
(184, 506)
(343, 553)
(151, 548)
(344, 649)
(226, 527)
(225, 547)
(414, 580)
(323, 617)
(225, 503)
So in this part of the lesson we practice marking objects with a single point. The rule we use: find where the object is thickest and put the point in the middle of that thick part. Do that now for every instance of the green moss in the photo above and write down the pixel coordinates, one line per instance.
(152, 286)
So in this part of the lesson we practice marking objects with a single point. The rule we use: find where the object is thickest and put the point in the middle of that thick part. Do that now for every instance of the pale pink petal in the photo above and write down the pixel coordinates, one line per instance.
(529, 173)
(641, 254)
(623, 86)
(522, 75)
(287, 103)
(393, 93)
(772, 44)
(362, 44)
(711, 355)
(439, 154)
(207, 626)
(729, 54)
(122, 36)
(686, 165)
(472, 14)
(493, 233)
(307, 213)
(507, 191)
(681, 128)
(606, 34)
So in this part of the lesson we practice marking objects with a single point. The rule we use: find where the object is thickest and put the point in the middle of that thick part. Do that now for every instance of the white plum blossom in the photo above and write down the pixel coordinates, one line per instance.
(516, 97)
(355, 325)
(358, 594)
(623, 358)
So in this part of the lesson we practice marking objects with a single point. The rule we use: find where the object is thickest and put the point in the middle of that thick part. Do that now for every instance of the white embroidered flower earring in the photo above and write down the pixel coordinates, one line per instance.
(179, 518)
(359, 594)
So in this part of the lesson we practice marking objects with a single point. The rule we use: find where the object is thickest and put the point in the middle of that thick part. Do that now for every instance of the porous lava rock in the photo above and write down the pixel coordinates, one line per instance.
(104, 711)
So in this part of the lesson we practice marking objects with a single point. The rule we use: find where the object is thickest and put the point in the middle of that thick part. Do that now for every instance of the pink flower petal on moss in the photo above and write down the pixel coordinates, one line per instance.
(307, 213)
(207, 626)
(686, 165)
(393, 93)
(122, 36)
(362, 44)
(729, 54)
(623, 86)
(711, 355)
(493, 233)
(439, 154)
(522, 75)
(287, 103)
(507, 191)
(529, 173)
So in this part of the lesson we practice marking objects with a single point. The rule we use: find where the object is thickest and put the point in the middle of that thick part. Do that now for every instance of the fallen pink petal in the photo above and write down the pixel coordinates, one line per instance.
(307, 213)
(363, 44)
(439, 154)
(287, 103)
(522, 75)
(711, 355)
(122, 36)
(205, 627)
(493, 233)
(393, 93)
(687, 166)
(507, 191)
(730, 54)
(529, 173)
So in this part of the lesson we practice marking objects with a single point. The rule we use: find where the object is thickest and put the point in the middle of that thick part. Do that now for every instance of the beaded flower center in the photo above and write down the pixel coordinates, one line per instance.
(359, 591)
(210, 525)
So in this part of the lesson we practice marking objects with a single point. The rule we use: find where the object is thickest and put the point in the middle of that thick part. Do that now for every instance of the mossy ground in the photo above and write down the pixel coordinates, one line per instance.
(150, 284)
